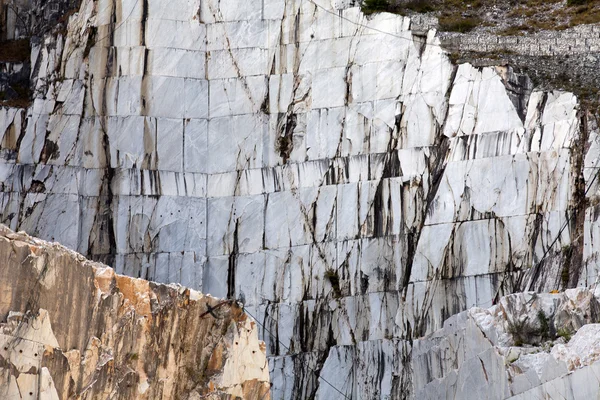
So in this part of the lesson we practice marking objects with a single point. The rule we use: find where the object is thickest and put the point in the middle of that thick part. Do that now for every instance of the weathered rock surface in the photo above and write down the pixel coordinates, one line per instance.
(517, 349)
(74, 329)
(33, 18)
(334, 172)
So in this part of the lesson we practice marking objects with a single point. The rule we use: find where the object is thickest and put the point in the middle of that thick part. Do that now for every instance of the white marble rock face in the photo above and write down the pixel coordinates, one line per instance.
(333, 171)
(529, 345)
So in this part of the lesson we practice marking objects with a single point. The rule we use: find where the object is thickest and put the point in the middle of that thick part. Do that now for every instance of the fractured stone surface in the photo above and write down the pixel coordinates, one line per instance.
(75, 329)
(517, 349)
(334, 172)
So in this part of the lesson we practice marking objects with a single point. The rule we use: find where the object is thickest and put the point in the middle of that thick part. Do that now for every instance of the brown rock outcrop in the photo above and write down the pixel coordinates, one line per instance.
(73, 329)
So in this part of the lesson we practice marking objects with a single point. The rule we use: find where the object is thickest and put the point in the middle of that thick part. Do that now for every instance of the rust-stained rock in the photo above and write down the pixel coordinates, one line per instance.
(73, 329)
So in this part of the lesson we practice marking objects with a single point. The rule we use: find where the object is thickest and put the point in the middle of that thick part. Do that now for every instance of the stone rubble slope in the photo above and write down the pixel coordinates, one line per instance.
(334, 172)
(74, 329)
(528, 346)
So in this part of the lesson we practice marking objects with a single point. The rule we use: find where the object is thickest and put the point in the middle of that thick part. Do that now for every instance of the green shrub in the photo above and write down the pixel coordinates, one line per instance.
(458, 24)
(544, 331)
(525, 333)
(419, 6)
(373, 6)
(564, 333)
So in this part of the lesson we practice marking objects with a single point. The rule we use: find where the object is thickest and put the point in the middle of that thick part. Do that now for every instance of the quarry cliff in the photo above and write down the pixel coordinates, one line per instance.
(406, 213)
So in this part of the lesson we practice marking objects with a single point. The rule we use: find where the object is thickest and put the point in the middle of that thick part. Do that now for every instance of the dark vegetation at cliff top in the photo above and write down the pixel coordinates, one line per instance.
(500, 16)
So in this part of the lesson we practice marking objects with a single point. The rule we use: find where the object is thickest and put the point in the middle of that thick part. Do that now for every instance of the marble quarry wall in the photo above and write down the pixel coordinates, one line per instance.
(334, 172)
(73, 329)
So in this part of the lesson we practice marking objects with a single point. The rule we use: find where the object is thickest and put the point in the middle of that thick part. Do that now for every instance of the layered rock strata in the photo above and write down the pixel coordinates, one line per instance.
(71, 328)
(334, 172)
